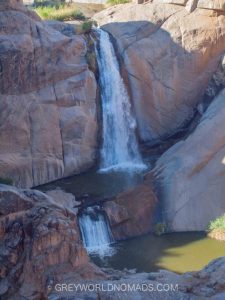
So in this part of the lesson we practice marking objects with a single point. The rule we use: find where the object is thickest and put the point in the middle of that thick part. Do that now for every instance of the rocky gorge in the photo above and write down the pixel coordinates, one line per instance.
(171, 59)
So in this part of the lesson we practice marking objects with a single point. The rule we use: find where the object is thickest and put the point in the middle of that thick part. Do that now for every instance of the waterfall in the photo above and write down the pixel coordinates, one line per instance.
(95, 231)
(120, 147)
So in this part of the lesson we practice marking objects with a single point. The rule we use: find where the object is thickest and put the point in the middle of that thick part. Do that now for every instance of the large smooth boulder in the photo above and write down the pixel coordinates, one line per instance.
(39, 244)
(191, 174)
(48, 123)
(168, 56)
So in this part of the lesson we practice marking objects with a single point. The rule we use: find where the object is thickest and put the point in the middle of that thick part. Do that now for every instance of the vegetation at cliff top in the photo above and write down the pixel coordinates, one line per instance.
(60, 13)
(218, 223)
(85, 27)
(116, 2)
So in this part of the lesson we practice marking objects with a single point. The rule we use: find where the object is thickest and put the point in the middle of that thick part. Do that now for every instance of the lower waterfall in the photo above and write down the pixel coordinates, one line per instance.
(95, 231)
(120, 146)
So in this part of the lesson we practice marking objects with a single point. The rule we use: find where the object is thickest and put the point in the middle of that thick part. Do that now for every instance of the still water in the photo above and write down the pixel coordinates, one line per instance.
(178, 252)
(96, 184)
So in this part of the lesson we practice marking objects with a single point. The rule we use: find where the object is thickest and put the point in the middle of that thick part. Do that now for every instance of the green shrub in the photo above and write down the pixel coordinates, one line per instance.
(6, 180)
(115, 2)
(159, 229)
(218, 223)
(87, 26)
(84, 28)
(60, 13)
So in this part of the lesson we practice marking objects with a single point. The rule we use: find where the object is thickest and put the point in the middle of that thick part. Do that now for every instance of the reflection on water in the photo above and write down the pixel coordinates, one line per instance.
(96, 184)
(178, 252)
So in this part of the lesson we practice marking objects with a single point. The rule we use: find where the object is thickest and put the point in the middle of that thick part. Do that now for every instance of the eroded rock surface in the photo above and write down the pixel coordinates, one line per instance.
(206, 284)
(168, 55)
(39, 244)
(47, 100)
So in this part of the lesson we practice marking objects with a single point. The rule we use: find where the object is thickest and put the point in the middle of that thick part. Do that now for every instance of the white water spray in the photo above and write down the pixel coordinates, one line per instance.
(96, 233)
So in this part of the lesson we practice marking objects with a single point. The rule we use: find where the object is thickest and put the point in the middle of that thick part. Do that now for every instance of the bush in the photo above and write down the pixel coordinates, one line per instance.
(7, 181)
(218, 223)
(87, 26)
(115, 2)
(60, 13)
(84, 28)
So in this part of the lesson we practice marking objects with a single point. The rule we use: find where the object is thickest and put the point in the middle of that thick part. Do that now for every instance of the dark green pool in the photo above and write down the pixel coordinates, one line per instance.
(99, 185)
(179, 252)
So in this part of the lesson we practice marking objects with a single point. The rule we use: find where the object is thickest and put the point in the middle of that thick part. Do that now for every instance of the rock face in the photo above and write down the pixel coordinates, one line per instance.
(39, 242)
(206, 284)
(131, 213)
(17, 5)
(191, 5)
(191, 174)
(168, 56)
(218, 5)
(47, 100)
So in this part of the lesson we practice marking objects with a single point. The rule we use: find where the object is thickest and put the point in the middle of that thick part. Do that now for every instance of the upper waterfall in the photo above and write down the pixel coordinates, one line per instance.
(120, 147)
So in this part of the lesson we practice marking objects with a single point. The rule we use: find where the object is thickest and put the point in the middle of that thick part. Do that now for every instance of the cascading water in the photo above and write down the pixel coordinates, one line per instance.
(120, 147)
(96, 233)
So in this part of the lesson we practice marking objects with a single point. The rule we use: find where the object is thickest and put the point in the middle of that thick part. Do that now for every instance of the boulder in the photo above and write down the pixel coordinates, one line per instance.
(190, 175)
(39, 244)
(131, 213)
(168, 55)
(47, 100)
(64, 199)
(65, 28)
(18, 6)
